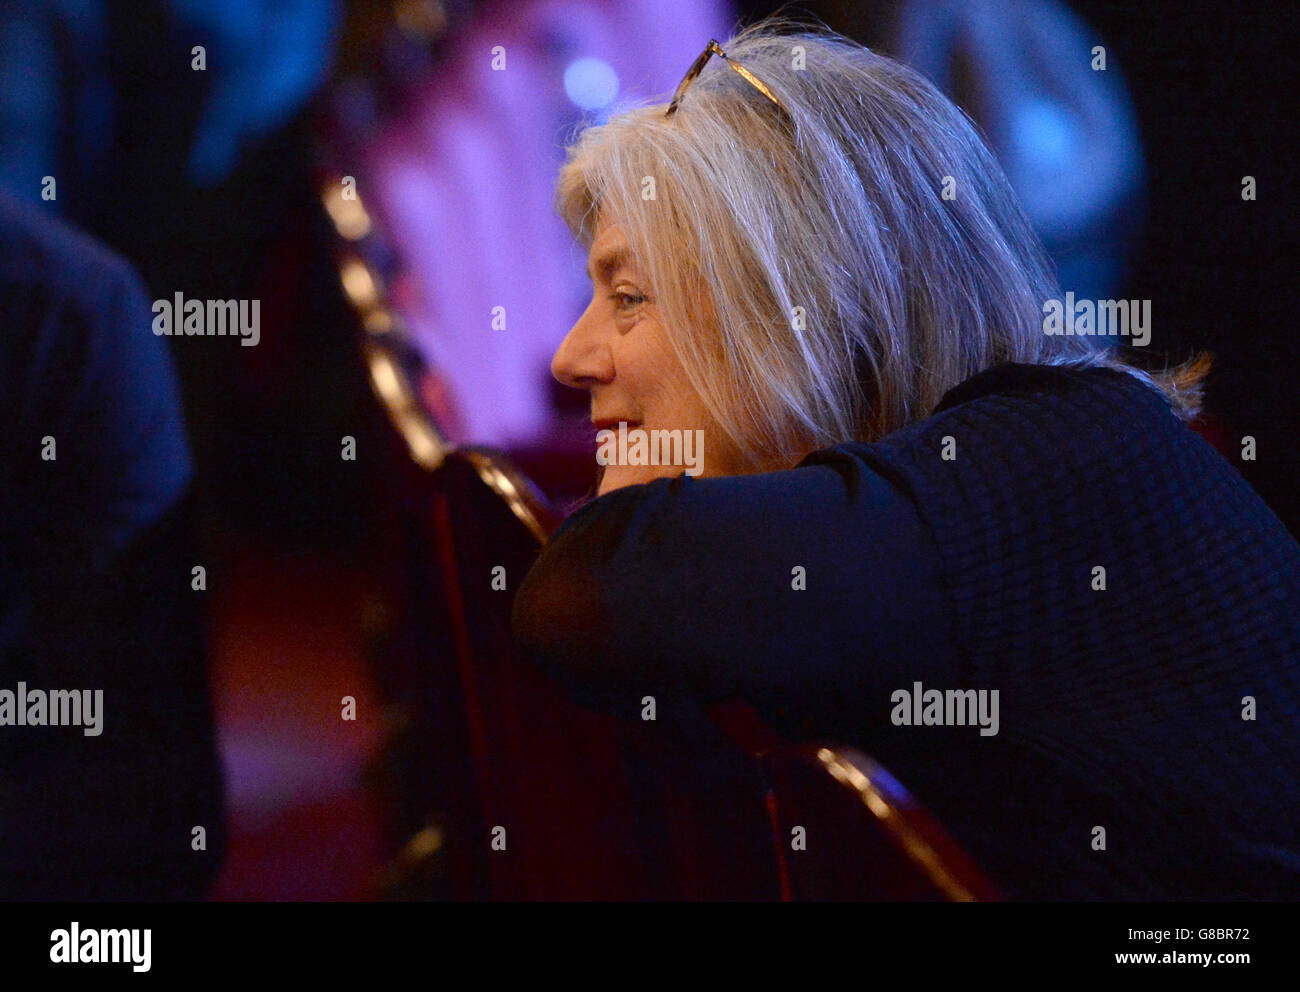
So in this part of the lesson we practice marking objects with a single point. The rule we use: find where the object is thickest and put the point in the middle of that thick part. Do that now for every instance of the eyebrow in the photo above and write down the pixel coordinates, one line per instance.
(608, 263)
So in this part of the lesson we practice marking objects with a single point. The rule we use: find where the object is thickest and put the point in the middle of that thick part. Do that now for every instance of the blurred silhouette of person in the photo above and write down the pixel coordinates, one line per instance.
(197, 169)
(97, 544)
(1058, 116)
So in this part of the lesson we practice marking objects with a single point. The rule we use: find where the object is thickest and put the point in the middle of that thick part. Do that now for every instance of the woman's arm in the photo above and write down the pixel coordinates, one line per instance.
(807, 589)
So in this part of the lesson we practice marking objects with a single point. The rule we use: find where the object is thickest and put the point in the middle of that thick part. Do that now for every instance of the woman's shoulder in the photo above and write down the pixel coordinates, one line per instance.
(1020, 417)
(1057, 451)
(1027, 382)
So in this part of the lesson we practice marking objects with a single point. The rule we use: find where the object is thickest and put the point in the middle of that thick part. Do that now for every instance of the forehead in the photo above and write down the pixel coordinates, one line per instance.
(609, 250)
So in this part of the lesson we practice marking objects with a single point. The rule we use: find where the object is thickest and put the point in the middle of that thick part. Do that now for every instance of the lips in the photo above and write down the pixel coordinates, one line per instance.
(611, 423)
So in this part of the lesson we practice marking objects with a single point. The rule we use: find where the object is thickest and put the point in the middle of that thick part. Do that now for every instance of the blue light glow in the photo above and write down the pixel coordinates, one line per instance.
(591, 83)
(1044, 134)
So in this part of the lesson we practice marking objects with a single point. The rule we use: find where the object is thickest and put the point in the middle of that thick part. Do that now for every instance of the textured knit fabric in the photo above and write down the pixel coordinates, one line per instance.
(966, 552)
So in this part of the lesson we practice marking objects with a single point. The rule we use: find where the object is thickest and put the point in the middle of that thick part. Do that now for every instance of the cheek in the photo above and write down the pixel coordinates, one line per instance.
(687, 406)
(647, 369)
(655, 380)
(678, 406)
(673, 387)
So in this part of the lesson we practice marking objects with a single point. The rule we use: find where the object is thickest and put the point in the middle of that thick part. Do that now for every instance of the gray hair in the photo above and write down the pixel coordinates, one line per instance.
(828, 273)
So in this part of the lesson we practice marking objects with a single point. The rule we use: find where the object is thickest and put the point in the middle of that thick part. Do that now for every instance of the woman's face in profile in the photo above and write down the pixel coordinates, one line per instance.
(619, 352)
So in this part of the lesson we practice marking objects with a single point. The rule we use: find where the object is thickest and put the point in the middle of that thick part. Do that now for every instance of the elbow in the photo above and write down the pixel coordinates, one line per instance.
(562, 624)
(554, 621)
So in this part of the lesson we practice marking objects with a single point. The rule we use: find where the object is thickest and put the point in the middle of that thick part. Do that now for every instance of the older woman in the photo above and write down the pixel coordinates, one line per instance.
(914, 492)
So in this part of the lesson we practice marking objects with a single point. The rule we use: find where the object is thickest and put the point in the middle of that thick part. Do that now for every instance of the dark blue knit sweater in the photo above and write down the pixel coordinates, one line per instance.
(965, 552)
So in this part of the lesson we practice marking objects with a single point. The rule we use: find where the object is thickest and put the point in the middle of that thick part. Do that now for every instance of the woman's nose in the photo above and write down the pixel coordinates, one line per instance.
(583, 358)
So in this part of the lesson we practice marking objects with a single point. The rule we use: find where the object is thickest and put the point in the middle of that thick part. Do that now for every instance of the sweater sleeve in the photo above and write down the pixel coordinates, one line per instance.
(809, 593)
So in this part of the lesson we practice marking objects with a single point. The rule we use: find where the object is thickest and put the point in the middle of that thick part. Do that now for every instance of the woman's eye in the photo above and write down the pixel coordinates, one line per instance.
(627, 301)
